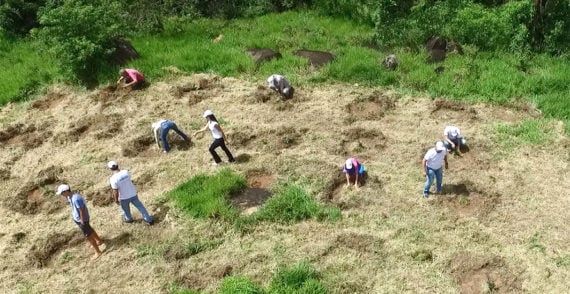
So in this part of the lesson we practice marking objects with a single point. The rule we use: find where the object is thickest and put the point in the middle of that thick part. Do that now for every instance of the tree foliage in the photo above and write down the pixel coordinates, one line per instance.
(18, 17)
(81, 34)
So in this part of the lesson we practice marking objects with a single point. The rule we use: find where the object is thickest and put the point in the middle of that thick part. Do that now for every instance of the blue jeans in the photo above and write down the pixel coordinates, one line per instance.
(457, 141)
(430, 174)
(167, 126)
(125, 206)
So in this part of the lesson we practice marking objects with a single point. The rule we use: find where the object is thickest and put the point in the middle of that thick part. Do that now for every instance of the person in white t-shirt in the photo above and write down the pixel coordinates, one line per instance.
(453, 140)
(125, 193)
(432, 166)
(279, 84)
(219, 137)
(164, 126)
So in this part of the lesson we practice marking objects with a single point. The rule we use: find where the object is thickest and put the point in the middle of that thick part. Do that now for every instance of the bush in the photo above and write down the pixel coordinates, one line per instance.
(81, 34)
(239, 285)
(18, 17)
(205, 196)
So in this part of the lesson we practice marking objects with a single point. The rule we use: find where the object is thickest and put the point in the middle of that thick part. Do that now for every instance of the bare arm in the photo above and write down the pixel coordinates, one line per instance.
(82, 215)
(445, 159)
(200, 130)
(155, 131)
(120, 79)
(424, 167)
(116, 195)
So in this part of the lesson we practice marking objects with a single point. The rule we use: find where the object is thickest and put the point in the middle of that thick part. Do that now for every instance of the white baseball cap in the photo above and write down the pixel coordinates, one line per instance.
(112, 164)
(207, 113)
(439, 146)
(348, 163)
(62, 188)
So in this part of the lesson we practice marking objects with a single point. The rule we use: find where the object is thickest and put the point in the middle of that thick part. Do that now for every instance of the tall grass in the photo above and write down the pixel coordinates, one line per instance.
(205, 196)
(23, 71)
(187, 44)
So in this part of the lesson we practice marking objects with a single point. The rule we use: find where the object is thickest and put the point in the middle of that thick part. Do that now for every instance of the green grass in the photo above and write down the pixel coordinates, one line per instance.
(23, 71)
(291, 204)
(529, 132)
(205, 196)
(301, 278)
(187, 44)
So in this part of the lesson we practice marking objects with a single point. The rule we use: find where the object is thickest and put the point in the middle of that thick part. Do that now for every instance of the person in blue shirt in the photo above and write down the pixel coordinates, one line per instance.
(81, 217)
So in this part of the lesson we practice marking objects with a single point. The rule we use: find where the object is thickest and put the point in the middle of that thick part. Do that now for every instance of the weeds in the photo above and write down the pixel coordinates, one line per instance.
(533, 132)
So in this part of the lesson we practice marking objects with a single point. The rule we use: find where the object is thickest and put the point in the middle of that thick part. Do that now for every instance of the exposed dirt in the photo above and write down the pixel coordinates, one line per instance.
(371, 107)
(99, 126)
(315, 58)
(256, 193)
(359, 242)
(25, 135)
(466, 200)
(484, 274)
(260, 55)
(36, 196)
(41, 252)
(137, 146)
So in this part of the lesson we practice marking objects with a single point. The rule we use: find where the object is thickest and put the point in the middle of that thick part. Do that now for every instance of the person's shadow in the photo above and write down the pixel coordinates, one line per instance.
(117, 241)
(455, 189)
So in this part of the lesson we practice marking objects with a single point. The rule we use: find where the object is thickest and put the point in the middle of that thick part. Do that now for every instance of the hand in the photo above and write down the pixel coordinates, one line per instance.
(452, 145)
(446, 166)
(424, 174)
(117, 201)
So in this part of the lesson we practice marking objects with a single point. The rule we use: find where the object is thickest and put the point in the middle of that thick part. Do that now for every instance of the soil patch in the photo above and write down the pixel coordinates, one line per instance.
(371, 107)
(43, 250)
(315, 58)
(37, 196)
(359, 140)
(134, 147)
(260, 55)
(26, 136)
(257, 192)
(50, 100)
(5, 174)
(456, 106)
(480, 274)
(466, 200)
(360, 242)
(101, 196)
(100, 126)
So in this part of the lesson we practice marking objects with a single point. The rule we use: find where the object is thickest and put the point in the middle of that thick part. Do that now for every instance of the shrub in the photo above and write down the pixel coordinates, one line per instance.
(18, 17)
(239, 285)
(81, 34)
(205, 196)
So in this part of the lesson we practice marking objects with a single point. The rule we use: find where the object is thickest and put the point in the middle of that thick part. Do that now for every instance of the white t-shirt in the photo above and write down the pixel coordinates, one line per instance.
(215, 132)
(156, 127)
(278, 82)
(433, 159)
(122, 181)
(452, 132)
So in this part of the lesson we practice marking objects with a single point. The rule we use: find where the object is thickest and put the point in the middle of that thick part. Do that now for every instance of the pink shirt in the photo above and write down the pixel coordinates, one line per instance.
(134, 74)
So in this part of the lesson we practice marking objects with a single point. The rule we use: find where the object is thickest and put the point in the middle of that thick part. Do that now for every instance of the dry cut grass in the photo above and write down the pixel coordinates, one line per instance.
(500, 225)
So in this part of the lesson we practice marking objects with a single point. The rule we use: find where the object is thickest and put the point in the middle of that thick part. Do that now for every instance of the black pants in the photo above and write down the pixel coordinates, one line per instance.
(220, 143)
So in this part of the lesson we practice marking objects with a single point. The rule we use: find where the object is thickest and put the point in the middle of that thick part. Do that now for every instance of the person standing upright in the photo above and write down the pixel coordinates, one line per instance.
(80, 215)
(219, 137)
(125, 193)
(432, 166)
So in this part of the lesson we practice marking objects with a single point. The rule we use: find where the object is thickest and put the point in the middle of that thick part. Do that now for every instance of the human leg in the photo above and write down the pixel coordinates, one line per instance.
(126, 208)
(215, 144)
(138, 204)
(438, 179)
(180, 133)
(429, 180)
(227, 151)
(163, 135)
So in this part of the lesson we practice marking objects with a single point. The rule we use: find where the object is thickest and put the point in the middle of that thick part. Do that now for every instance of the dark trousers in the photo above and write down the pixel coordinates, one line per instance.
(220, 143)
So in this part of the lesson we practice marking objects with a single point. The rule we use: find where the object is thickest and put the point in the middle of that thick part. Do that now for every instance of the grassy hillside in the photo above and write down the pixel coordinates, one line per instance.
(187, 45)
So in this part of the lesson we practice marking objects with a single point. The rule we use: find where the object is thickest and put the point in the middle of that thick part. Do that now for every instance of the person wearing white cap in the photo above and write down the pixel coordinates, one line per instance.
(353, 167)
(279, 84)
(164, 126)
(432, 166)
(219, 137)
(453, 140)
(125, 193)
(80, 215)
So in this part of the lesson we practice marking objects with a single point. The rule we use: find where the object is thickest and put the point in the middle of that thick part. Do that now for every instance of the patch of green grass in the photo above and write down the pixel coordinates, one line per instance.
(562, 261)
(205, 196)
(292, 204)
(536, 244)
(23, 71)
(175, 288)
(241, 285)
(301, 278)
(532, 131)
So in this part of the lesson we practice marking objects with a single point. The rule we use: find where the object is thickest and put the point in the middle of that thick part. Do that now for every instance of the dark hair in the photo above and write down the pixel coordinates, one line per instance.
(115, 167)
(212, 117)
